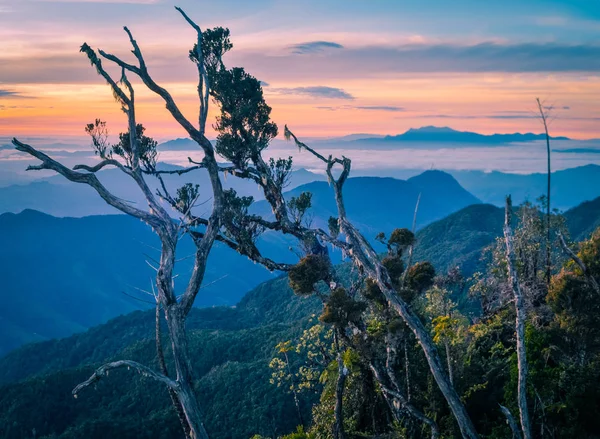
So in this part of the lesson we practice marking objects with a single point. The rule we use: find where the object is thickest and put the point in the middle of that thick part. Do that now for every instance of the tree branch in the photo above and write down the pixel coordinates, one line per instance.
(404, 403)
(89, 179)
(171, 106)
(203, 82)
(252, 253)
(512, 423)
(140, 368)
(586, 272)
(101, 165)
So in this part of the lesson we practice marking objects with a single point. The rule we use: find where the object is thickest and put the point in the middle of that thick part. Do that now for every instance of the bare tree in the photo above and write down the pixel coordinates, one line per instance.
(138, 159)
(544, 118)
(412, 246)
(519, 323)
(244, 131)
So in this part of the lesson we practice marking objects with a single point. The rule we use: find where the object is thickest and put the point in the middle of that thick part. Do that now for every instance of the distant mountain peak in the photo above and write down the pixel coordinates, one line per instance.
(431, 129)
(435, 134)
(441, 182)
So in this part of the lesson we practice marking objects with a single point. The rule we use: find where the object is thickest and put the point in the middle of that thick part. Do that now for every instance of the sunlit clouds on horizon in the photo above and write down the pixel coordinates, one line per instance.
(329, 68)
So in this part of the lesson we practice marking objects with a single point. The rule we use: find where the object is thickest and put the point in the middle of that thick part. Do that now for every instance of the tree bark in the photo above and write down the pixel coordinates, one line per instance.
(185, 391)
(449, 361)
(338, 425)
(160, 355)
(510, 420)
(519, 323)
(548, 250)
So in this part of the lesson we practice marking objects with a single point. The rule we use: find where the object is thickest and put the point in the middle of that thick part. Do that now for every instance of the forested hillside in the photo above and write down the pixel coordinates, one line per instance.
(231, 349)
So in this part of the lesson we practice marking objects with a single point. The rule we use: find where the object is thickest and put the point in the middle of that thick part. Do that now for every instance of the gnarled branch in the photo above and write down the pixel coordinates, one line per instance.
(87, 178)
(251, 251)
(140, 368)
(101, 165)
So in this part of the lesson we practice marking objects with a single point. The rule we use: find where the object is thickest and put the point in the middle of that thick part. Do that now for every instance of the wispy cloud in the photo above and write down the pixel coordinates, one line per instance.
(384, 59)
(314, 46)
(350, 63)
(4, 93)
(14, 107)
(516, 116)
(319, 91)
(387, 108)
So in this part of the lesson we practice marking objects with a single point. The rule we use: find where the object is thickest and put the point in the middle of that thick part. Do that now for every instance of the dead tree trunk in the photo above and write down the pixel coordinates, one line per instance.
(185, 392)
(364, 256)
(338, 425)
(519, 323)
(449, 361)
(407, 368)
(160, 355)
(411, 249)
(543, 116)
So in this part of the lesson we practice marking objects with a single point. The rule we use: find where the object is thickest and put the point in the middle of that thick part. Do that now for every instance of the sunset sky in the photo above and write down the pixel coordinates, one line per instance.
(330, 67)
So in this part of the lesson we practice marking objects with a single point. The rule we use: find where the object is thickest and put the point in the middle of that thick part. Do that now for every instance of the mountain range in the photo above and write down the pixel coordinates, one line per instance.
(458, 240)
(436, 135)
(56, 196)
(569, 188)
(64, 275)
(422, 134)
(59, 197)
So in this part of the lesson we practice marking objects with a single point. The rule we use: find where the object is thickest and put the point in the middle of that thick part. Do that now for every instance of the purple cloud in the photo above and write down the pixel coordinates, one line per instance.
(319, 91)
(313, 47)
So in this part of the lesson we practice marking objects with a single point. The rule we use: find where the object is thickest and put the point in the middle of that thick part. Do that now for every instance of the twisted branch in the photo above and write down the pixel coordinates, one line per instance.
(140, 368)
(87, 178)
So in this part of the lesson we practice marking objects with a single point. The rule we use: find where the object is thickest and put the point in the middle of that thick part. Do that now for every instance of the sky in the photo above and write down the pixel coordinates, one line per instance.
(329, 67)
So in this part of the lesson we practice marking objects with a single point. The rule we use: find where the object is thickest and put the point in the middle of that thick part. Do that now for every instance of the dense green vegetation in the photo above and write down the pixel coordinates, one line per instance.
(459, 239)
(231, 352)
